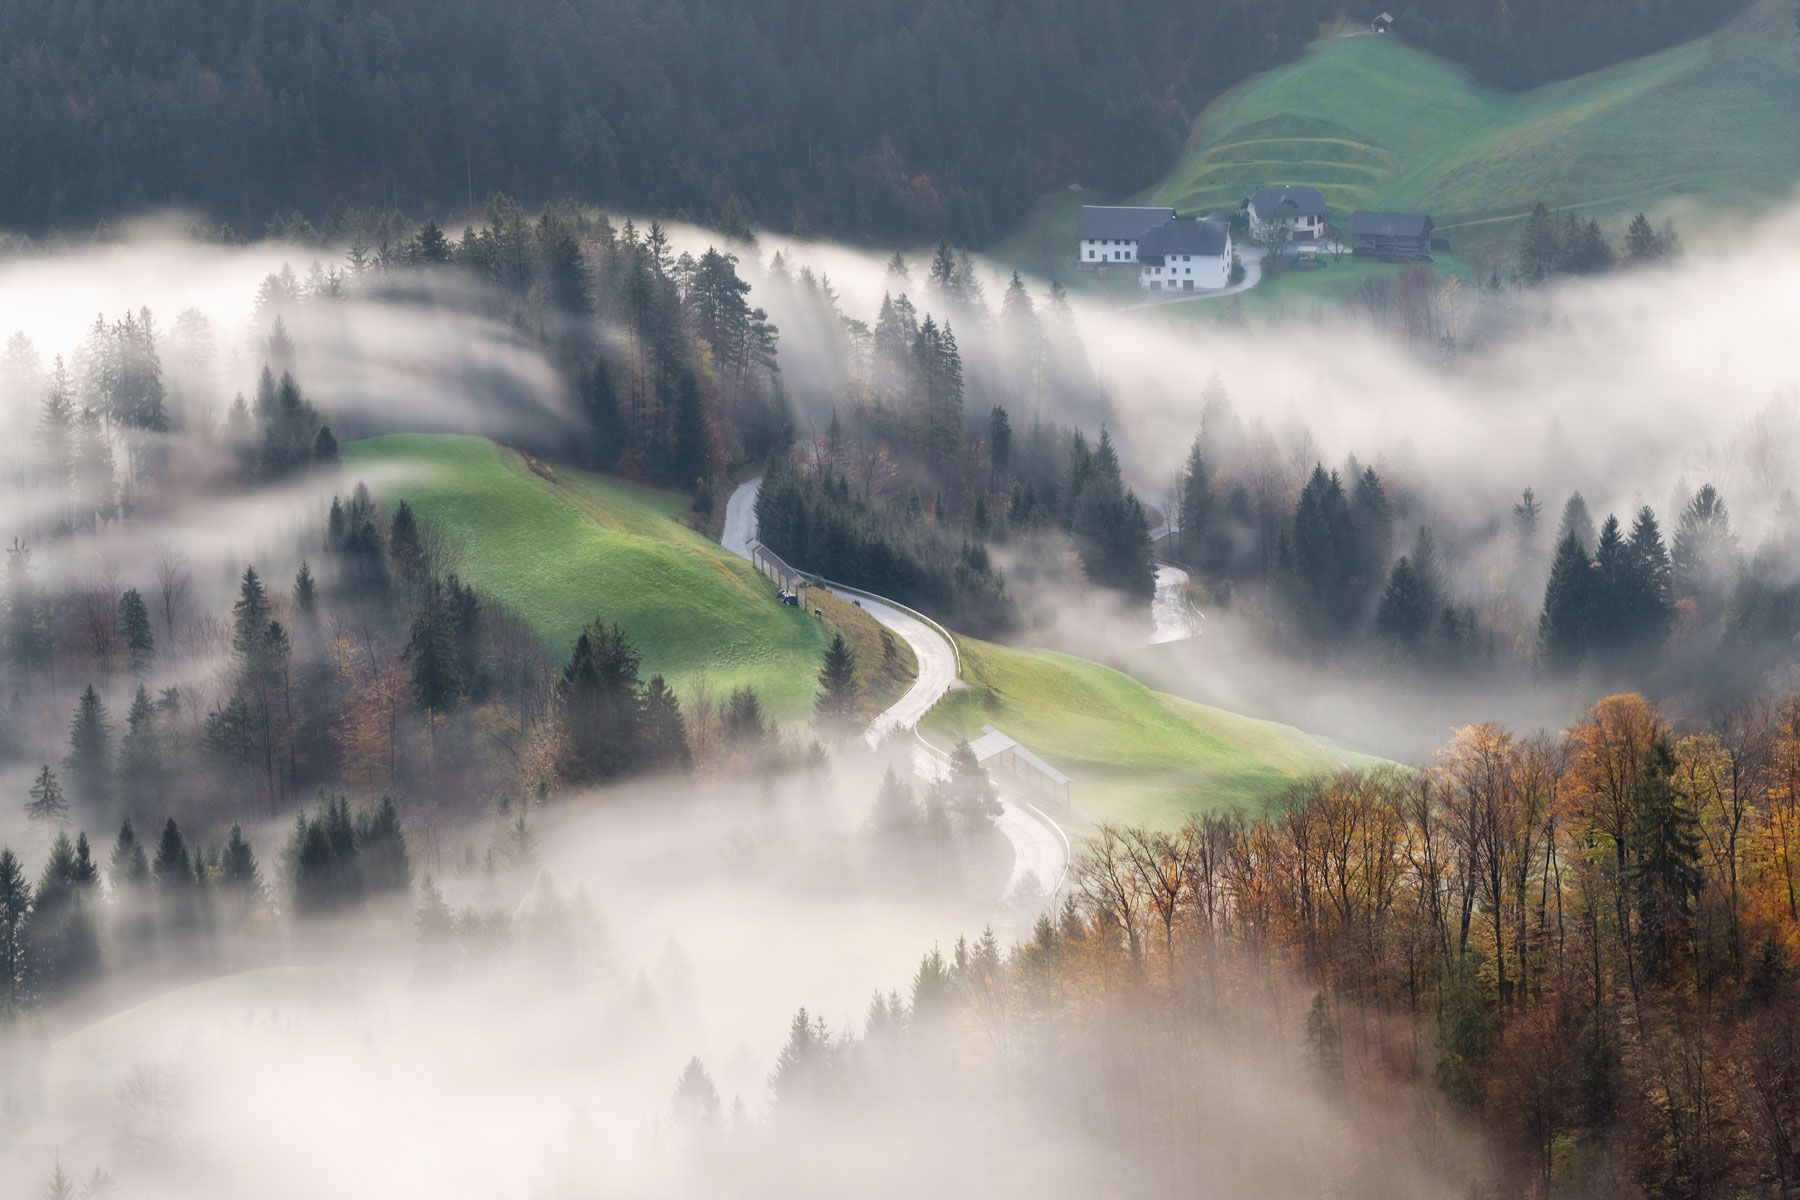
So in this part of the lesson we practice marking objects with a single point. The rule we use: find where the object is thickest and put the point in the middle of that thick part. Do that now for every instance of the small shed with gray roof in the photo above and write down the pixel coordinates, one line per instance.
(1003, 757)
(1393, 236)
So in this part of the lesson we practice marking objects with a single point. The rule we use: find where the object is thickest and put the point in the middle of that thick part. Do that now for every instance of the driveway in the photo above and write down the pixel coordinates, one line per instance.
(1040, 847)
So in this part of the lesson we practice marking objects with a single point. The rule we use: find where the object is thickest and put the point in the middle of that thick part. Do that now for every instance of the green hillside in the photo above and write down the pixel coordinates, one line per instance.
(1376, 124)
(560, 553)
(1135, 755)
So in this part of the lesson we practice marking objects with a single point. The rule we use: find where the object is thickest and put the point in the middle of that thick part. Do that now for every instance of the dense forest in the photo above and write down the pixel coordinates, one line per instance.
(872, 120)
(1583, 943)
(1527, 42)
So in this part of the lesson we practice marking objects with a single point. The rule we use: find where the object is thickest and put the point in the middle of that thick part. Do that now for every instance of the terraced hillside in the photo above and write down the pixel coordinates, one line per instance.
(1374, 123)
(1136, 755)
(561, 552)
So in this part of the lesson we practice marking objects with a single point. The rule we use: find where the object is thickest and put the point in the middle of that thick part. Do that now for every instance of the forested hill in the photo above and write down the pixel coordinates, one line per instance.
(1522, 43)
(883, 118)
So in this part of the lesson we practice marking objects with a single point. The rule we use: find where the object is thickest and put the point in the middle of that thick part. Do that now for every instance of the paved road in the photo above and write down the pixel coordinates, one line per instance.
(1039, 845)
(1169, 614)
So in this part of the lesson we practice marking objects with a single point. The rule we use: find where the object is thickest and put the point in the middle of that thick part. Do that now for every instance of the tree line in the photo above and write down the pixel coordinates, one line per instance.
(1580, 944)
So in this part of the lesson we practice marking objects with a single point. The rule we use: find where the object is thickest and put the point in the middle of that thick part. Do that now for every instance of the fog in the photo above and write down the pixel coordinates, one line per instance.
(660, 925)
(330, 1061)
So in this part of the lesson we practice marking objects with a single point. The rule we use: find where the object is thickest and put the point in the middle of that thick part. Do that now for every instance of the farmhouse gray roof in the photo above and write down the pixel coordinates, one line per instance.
(992, 742)
(1103, 222)
(1390, 224)
(1184, 237)
(1306, 202)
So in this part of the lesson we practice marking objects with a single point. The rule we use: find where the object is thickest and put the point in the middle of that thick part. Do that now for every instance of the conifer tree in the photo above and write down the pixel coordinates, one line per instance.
(62, 944)
(1568, 599)
(1403, 616)
(664, 729)
(15, 910)
(1652, 600)
(47, 805)
(598, 695)
(306, 592)
(134, 628)
(1705, 551)
(1194, 515)
(1576, 520)
(1665, 871)
(839, 701)
(90, 755)
(896, 816)
(129, 866)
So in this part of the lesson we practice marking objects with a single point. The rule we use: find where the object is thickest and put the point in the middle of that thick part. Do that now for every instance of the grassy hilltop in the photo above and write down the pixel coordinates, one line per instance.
(1374, 123)
(1136, 755)
(560, 553)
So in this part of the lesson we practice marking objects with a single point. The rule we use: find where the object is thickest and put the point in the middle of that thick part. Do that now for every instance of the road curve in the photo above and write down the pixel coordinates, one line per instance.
(1040, 848)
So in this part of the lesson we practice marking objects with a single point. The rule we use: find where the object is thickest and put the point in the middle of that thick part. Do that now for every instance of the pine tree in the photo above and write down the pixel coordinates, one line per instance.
(974, 800)
(1194, 516)
(431, 651)
(129, 866)
(47, 805)
(839, 701)
(1576, 520)
(1403, 616)
(62, 944)
(90, 755)
(384, 864)
(1568, 599)
(238, 869)
(1642, 245)
(1612, 602)
(134, 628)
(664, 730)
(173, 868)
(1528, 515)
(598, 695)
(896, 816)
(1705, 553)
(306, 592)
(1666, 873)
(999, 447)
(15, 909)
(696, 1103)
(1652, 597)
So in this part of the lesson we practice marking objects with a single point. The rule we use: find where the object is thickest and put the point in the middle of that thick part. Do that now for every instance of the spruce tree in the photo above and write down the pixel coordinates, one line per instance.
(1403, 616)
(47, 805)
(15, 910)
(896, 816)
(598, 695)
(1568, 599)
(1705, 553)
(839, 701)
(1665, 869)
(663, 728)
(173, 868)
(1193, 520)
(62, 944)
(1576, 520)
(1612, 602)
(90, 755)
(1653, 602)
(306, 592)
(134, 628)
(384, 866)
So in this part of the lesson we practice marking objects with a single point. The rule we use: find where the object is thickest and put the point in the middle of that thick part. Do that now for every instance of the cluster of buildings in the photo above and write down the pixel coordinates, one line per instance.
(1175, 253)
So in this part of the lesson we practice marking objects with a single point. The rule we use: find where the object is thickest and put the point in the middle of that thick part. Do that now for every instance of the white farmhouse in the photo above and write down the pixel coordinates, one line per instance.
(1108, 235)
(1185, 256)
(1301, 209)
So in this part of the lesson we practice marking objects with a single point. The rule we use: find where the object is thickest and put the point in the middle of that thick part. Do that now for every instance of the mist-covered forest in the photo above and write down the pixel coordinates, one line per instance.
(304, 818)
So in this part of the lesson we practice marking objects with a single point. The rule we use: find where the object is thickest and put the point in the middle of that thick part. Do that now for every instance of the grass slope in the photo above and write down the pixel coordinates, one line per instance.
(561, 553)
(1136, 755)
(1374, 123)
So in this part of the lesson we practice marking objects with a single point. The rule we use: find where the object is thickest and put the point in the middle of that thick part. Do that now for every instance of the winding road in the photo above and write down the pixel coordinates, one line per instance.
(1040, 847)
